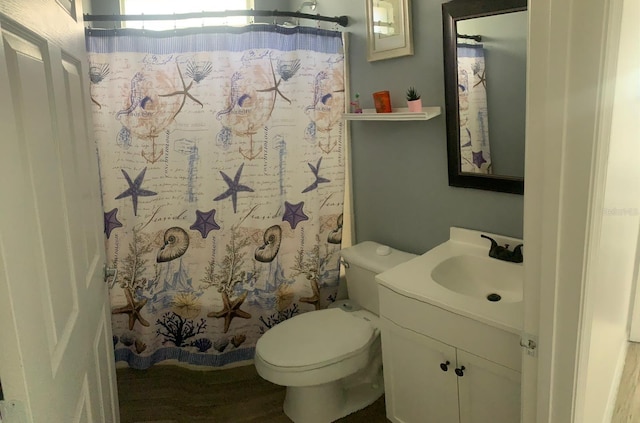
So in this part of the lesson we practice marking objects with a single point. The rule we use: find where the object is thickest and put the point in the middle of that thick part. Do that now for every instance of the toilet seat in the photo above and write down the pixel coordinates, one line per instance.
(318, 339)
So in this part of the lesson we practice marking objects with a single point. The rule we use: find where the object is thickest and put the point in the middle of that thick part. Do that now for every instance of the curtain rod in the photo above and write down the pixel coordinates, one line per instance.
(477, 38)
(340, 20)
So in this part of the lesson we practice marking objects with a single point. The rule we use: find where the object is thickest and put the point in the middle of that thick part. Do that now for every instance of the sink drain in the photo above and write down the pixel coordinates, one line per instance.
(494, 297)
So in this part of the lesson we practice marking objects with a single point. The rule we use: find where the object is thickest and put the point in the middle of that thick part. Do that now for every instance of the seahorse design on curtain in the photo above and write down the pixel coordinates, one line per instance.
(222, 216)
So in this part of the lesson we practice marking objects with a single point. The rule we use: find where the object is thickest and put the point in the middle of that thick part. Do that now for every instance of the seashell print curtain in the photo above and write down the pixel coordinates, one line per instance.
(475, 154)
(222, 170)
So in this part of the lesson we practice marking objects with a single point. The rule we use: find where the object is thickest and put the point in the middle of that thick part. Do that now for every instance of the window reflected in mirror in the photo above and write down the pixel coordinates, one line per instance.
(384, 18)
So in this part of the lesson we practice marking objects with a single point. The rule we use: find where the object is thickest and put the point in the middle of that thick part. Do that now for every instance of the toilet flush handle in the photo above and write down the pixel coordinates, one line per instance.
(344, 263)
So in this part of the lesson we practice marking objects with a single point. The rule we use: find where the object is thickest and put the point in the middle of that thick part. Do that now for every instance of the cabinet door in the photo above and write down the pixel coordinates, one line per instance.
(489, 392)
(417, 390)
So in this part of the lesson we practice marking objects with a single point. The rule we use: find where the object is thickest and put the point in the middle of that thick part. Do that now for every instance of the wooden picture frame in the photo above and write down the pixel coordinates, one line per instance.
(388, 29)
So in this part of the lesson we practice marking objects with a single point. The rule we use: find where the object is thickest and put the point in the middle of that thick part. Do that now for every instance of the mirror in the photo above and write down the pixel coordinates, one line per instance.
(485, 47)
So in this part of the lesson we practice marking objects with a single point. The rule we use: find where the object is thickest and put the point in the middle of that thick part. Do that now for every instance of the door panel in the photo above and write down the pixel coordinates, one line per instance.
(72, 146)
(30, 93)
(83, 410)
(416, 389)
(103, 348)
(58, 361)
(489, 392)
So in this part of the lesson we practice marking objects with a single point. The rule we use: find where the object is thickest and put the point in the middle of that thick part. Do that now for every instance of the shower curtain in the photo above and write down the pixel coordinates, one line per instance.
(475, 154)
(222, 170)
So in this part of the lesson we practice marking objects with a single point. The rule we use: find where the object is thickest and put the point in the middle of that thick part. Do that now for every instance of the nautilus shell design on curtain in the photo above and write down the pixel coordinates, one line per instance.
(176, 242)
(221, 217)
(272, 239)
(335, 236)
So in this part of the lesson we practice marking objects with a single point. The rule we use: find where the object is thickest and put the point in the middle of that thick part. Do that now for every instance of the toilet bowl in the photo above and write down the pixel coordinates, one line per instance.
(314, 354)
(330, 360)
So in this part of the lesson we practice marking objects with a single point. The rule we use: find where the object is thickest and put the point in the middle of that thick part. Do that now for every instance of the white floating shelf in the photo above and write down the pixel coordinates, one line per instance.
(400, 113)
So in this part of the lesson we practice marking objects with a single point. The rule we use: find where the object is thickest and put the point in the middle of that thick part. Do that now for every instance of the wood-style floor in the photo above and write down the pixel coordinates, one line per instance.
(169, 394)
(627, 409)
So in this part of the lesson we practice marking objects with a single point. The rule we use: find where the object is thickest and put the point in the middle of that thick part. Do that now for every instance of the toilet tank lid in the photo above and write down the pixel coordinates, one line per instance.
(374, 256)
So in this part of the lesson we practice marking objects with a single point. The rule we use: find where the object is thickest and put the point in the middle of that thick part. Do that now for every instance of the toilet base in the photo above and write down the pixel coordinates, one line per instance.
(331, 401)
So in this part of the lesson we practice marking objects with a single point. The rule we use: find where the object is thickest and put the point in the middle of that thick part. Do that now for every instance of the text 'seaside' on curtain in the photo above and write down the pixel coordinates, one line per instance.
(222, 171)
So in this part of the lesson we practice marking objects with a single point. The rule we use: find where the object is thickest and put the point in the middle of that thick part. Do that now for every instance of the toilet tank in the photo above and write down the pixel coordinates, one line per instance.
(362, 263)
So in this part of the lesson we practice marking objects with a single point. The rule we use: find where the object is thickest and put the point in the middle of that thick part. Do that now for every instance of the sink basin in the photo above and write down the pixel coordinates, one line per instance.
(479, 277)
(459, 276)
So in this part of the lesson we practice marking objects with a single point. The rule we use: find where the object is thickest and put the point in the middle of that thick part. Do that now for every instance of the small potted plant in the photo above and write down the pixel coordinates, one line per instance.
(413, 100)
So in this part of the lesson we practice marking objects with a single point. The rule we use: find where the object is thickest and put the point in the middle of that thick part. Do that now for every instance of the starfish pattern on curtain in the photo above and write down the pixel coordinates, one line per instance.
(234, 226)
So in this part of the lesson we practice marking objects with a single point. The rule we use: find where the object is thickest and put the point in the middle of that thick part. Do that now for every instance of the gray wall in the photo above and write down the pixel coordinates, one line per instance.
(504, 39)
(400, 186)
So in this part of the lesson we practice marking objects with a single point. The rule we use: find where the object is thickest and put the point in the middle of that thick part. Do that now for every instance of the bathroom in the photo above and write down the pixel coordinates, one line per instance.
(401, 196)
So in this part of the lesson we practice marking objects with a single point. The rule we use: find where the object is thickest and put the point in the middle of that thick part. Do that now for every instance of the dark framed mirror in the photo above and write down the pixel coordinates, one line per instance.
(485, 47)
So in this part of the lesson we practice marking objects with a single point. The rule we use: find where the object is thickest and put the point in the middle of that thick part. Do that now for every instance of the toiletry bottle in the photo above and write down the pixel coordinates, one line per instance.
(355, 105)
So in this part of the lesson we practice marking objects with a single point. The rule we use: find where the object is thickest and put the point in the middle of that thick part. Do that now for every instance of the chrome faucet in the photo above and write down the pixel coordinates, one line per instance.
(503, 253)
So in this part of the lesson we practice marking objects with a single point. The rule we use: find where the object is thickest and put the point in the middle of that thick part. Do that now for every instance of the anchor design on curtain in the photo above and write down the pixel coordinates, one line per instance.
(222, 174)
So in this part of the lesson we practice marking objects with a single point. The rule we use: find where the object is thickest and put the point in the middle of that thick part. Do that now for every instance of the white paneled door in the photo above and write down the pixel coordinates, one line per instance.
(56, 348)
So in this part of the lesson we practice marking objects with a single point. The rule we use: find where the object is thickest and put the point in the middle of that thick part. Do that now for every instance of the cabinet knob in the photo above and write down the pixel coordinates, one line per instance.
(460, 371)
(445, 366)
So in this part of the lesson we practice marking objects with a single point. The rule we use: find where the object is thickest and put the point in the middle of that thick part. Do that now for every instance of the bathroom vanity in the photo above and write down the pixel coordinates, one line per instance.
(451, 354)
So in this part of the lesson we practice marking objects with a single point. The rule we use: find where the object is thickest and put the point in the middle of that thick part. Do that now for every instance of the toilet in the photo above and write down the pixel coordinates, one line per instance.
(331, 360)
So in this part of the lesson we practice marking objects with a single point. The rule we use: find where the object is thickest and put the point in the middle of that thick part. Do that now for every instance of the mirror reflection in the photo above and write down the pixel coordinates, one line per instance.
(492, 61)
(485, 46)
(384, 17)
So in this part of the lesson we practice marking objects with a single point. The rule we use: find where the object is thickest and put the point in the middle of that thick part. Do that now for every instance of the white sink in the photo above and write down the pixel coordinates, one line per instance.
(459, 276)
(483, 278)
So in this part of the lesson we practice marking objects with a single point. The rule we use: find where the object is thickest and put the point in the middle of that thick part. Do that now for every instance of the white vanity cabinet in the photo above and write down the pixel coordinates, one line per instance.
(487, 392)
(419, 339)
(415, 386)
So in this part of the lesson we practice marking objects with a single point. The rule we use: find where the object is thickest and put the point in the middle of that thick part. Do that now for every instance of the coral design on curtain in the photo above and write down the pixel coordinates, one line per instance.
(475, 154)
(222, 173)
